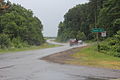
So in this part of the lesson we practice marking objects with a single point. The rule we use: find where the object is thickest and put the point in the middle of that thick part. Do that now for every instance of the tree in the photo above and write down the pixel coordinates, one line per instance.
(19, 24)
(84, 17)
(81, 36)
(75, 20)
(4, 41)
(109, 16)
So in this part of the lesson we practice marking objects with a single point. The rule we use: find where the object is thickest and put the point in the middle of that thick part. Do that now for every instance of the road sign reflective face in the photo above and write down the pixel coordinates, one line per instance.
(103, 34)
(98, 30)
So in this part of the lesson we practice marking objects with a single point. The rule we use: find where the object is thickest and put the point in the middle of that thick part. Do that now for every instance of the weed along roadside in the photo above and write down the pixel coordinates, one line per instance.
(45, 45)
(85, 56)
(89, 56)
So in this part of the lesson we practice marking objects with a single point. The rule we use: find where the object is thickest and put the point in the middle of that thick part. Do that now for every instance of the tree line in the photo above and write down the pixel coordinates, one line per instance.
(79, 20)
(19, 28)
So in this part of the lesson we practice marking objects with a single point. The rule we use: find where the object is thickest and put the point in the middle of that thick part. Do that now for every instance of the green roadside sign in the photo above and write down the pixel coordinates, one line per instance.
(97, 30)
(97, 35)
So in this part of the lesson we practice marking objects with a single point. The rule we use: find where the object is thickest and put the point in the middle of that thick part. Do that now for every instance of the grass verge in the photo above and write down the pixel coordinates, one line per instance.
(90, 57)
(45, 45)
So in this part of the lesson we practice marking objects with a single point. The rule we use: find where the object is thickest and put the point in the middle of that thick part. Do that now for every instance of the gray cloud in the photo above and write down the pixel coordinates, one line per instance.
(50, 12)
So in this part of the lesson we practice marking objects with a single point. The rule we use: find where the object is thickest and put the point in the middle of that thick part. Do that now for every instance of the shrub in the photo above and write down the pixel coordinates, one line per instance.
(112, 45)
(18, 43)
(4, 41)
(81, 36)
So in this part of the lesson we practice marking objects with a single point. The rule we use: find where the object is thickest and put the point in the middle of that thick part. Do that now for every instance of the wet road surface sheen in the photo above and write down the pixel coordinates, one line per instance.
(26, 65)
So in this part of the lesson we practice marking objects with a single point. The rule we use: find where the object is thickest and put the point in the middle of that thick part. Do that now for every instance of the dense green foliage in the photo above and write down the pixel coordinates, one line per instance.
(4, 41)
(82, 18)
(19, 28)
(79, 21)
(109, 17)
(111, 45)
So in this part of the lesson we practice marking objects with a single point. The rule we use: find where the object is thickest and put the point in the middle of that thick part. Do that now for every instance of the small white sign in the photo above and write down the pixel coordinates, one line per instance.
(103, 34)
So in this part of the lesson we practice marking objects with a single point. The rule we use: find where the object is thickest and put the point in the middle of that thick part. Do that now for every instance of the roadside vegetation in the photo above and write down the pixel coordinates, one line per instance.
(89, 56)
(111, 45)
(19, 28)
(107, 57)
(81, 19)
(45, 45)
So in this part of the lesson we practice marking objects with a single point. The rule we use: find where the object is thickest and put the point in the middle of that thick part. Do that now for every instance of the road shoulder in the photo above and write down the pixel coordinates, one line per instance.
(84, 56)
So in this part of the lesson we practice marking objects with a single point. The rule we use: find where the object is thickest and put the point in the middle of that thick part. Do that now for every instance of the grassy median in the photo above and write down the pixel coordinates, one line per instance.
(89, 56)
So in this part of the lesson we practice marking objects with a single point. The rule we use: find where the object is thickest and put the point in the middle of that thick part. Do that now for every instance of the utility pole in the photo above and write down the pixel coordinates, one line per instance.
(97, 33)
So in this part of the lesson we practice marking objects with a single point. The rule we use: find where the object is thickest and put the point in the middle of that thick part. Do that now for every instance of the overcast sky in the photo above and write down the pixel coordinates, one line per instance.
(50, 12)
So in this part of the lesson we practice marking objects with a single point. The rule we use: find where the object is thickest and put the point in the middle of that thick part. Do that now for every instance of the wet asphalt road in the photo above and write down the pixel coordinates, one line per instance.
(26, 65)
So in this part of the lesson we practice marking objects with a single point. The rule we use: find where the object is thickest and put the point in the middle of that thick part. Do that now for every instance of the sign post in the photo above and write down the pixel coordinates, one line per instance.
(97, 30)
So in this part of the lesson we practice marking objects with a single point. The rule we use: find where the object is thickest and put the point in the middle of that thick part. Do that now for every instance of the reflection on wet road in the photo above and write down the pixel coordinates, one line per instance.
(27, 65)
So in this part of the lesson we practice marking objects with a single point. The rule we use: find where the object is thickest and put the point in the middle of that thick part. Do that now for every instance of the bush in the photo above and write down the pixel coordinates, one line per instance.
(18, 43)
(112, 45)
(16, 24)
(104, 47)
(81, 36)
(4, 41)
